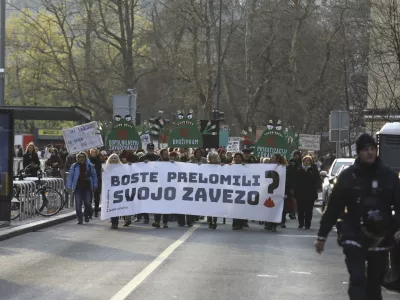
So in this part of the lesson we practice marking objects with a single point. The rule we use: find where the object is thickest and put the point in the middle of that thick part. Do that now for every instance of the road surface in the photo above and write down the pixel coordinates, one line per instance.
(140, 262)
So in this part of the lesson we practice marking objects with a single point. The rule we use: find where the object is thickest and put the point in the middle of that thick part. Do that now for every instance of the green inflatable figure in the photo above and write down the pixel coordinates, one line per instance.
(186, 134)
(272, 141)
(123, 135)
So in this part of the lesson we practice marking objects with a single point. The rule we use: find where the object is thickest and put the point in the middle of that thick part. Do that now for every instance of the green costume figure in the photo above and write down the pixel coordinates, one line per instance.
(272, 141)
(186, 134)
(123, 135)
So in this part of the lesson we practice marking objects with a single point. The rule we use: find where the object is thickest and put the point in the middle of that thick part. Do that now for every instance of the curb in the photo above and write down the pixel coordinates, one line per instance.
(35, 226)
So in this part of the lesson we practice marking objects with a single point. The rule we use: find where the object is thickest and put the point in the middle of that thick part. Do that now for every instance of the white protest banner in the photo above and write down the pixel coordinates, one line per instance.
(82, 137)
(233, 144)
(145, 140)
(253, 192)
(309, 142)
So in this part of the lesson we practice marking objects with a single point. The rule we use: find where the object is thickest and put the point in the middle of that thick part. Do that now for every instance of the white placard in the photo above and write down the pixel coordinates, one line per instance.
(145, 140)
(253, 192)
(233, 144)
(309, 142)
(82, 137)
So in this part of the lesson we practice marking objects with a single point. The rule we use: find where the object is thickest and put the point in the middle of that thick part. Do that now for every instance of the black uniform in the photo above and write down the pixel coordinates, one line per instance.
(364, 195)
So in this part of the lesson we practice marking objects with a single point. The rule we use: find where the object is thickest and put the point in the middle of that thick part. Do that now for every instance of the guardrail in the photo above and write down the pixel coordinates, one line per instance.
(28, 195)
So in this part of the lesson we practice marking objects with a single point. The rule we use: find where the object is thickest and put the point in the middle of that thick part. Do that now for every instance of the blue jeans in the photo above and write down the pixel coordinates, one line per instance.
(83, 197)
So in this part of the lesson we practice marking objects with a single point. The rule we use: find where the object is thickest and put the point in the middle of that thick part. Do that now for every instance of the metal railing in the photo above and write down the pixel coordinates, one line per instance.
(28, 196)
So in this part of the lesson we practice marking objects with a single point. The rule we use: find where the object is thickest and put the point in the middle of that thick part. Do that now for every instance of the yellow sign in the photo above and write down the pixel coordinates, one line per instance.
(50, 132)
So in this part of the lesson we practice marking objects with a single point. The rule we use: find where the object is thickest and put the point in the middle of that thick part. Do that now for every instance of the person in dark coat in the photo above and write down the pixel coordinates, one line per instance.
(54, 163)
(96, 162)
(291, 172)
(30, 161)
(307, 184)
(366, 192)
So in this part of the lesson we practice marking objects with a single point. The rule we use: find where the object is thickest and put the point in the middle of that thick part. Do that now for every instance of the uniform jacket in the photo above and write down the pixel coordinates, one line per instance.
(73, 176)
(356, 184)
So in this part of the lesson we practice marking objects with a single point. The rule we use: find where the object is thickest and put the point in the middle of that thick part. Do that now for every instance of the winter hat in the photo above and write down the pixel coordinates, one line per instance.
(365, 140)
(308, 157)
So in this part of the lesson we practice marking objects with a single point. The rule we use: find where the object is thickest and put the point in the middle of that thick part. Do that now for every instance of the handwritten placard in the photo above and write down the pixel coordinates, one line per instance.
(309, 142)
(82, 137)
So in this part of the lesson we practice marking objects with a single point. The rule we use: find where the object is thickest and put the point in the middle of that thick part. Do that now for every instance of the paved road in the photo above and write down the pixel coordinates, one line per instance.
(94, 262)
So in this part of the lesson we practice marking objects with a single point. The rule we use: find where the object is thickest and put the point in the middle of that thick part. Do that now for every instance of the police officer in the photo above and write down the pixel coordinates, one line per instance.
(364, 195)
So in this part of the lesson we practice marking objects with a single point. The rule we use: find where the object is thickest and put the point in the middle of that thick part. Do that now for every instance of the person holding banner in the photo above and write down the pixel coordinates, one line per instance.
(164, 156)
(213, 158)
(96, 162)
(238, 224)
(82, 181)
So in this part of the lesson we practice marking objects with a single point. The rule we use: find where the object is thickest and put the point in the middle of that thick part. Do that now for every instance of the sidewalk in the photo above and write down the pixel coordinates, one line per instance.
(34, 224)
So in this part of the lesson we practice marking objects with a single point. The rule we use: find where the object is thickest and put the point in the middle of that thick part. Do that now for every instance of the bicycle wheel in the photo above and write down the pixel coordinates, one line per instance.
(15, 203)
(48, 202)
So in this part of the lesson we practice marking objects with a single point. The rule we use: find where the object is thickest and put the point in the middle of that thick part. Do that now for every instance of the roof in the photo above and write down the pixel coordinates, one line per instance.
(51, 113)
(390, 129)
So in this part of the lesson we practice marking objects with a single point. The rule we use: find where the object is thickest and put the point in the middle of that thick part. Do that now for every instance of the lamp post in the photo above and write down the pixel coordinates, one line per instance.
(218, 84)
(2, 49)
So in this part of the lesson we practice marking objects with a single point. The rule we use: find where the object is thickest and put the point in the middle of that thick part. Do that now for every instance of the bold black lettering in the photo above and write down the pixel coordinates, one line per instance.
(170, 193)
(275, 180)
(245, 182)
(192, 177)
(182, 177)
(227, 196)
(118, 196)
(213, 178)
(225, 179)
(157, 196)
(202, 179)
(187, 195)
(214, 194)
(171, 176)
(115, 181)
(153, 177)
(251, 195)
(143, 193)
(130, 197)
(240, 197)
(125, 180)
(135, 178)
(144, 176)
(236, 180)
(256, 178)
(201, 194)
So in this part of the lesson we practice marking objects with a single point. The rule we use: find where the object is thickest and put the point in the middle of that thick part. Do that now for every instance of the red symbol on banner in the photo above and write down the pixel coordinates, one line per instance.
(184, 132)
(122, 134)
(270, 142)
(269, 203)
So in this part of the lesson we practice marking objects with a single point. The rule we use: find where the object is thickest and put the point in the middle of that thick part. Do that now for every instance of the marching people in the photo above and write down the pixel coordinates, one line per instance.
(279, 160)
(307, 184)
(238, 224)
(82, 181)
(54, 163)
(164, 156)
(114, 159)
(96, 162)
(213, 159)
(198, 157)
(149, 156)
(366, 192)
(291, 171)
(30, 161)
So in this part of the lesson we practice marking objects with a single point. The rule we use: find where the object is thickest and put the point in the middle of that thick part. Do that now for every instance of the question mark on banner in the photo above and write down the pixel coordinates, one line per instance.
(275, 180)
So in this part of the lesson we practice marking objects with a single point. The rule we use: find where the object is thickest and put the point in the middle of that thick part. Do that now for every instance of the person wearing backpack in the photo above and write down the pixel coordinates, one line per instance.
(82, 181)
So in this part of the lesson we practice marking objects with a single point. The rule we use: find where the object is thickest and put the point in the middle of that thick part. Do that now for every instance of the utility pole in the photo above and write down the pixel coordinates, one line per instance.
(2, 49)
(217, 106)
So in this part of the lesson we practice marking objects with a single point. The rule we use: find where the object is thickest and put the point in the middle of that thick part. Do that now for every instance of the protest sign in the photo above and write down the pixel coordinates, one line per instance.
(233, 144)
(253, 192)
(309, 142)
(145, 138)
(123, 135)
(82, 137)
(186, 134)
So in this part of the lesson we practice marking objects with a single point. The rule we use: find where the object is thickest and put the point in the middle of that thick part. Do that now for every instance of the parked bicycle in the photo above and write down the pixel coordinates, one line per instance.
(45, 201)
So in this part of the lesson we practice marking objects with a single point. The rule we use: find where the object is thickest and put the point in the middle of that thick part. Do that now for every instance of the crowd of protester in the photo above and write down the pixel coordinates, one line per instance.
(84, 176)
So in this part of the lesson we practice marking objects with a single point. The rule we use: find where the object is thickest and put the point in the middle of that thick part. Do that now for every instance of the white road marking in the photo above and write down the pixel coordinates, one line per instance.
(297, 235)
(139, 278)
(266, 275)
(302, 273)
